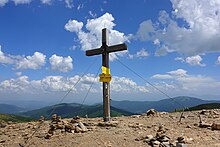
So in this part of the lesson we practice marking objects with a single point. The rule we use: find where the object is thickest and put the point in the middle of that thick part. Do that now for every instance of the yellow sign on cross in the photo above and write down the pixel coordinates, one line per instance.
(105, 70)
(105, 76)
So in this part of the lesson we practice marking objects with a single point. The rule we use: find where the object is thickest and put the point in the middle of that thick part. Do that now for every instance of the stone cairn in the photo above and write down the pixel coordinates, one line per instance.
(58, 125)
(160, 140)
(210, 114)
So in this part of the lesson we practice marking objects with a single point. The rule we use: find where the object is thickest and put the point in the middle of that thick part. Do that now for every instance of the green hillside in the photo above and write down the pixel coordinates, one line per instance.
(206, 106)
(70, 110)
(10, 109)
(14, 118)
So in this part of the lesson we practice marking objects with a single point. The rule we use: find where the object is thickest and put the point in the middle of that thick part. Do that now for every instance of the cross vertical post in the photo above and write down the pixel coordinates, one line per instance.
(105, 77)
(106, 85)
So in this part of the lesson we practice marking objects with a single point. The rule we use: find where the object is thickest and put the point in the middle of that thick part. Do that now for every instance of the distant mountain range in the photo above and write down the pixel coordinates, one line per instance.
(118, 108)
(70, 110)
(167, 105)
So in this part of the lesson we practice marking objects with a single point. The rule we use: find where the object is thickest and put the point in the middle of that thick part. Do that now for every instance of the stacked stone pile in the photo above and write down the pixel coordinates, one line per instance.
(209, 113)
(160, 140)
(60, 126)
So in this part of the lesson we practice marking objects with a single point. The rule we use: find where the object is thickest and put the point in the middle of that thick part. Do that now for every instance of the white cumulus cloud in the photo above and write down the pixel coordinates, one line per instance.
(192, 60)
(22, 1)
(195, 60)
(48, 2)
(62, 64)
(171, 74)
(92, 37)
(198, 35)
(69, 3)
(5, 59)
(178, 72)
(36, 61)
(218, 60)
(73, 26)
(3, 2)
(140, 54)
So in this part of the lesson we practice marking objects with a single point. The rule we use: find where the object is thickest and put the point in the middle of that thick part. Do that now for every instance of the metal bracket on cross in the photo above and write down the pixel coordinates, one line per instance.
(105, 76)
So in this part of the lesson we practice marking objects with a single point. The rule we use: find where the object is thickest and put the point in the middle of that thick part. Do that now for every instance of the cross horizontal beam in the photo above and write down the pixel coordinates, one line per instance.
(110, 49)
(115, 48)
(94, 52)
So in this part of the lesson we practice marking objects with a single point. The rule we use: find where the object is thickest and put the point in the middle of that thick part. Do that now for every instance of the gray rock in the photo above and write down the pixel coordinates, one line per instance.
(156, 142)
(83, 127)
(165, 139)
(178, 144)
(151, 112)
(78, 129)
(165, 144)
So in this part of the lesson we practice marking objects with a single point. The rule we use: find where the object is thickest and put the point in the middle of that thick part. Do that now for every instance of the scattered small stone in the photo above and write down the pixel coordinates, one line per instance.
(135, 116)
(48, 136)
(151, 112)
(2, 125)
(178, 144)
(215, 113)
(215, 126)
(156, 142)
(184, 139)
(108, 124)
(204, 125)
(188, 126)
(204, 112)
(164, 139)
(148, 138)
(2, 141)
(181, 139)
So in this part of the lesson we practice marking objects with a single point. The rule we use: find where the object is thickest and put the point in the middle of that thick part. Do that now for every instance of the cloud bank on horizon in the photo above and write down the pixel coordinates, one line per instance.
(191, 31)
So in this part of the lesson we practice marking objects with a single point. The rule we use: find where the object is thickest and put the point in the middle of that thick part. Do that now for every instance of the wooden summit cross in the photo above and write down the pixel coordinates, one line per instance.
(105, 77)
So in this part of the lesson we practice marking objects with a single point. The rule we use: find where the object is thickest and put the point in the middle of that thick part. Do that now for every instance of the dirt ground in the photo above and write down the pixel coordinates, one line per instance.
(125, 131)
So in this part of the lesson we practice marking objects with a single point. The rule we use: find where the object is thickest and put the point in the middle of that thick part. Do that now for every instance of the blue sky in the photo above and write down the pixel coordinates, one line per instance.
(174, 44)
